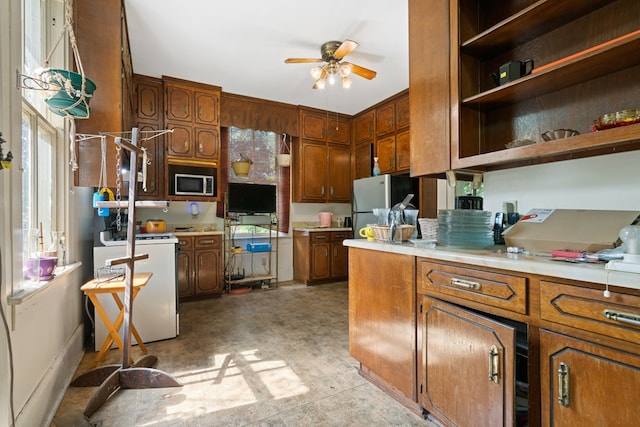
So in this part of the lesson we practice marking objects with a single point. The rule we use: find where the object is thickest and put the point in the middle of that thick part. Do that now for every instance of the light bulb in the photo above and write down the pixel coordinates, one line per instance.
(630, 235)
(332, 78)
(320, 83)
(345, 69)
(346, 82)
(316, 72)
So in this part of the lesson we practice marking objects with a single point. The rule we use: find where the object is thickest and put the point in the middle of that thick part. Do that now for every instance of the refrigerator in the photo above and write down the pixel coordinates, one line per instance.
(382, 191)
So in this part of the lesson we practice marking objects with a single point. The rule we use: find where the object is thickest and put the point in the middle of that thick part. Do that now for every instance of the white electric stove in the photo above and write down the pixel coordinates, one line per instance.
(155, 309)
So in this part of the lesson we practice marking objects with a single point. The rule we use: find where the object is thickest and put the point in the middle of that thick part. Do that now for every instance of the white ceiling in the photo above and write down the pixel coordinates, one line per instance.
(241, 46)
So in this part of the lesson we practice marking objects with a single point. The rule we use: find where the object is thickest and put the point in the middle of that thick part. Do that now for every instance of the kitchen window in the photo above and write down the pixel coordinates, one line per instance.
(261, 148)
(41, 157)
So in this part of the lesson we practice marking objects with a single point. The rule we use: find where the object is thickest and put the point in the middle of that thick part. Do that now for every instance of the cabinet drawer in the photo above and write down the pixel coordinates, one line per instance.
(319, 237)
(588, 309)
(338, 236)
(186, 243)
(207, 241)
(487, 287)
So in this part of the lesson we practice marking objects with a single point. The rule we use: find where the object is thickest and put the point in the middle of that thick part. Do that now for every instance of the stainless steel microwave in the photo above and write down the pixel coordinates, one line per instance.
(185, 184)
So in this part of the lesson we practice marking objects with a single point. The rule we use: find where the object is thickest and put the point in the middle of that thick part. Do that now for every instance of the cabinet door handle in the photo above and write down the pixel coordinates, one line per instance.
(326, 252)
(322, 190)
(563, 384)
(186, 263)
(206, 242)
(186, 109)
(331, 191)
(200, 147)
(186, 144)
(200, 112)
(494, 363)
(321, 237)
(619, 316)
(468, 284)
(152, 108)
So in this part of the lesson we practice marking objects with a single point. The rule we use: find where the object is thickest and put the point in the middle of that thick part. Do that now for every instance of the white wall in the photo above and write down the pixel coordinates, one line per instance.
(610, 182)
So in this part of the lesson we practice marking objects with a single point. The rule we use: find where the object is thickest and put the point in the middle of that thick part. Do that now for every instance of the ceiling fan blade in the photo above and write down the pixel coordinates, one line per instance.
(301, 60)
(345, 48)
(362, 72)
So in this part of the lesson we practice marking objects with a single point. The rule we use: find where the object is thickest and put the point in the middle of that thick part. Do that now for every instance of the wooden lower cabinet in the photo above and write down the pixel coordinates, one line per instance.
(587, 384)
(491, 347)
(320, 256)
(382, 321)
(199, 266)
(468, 366)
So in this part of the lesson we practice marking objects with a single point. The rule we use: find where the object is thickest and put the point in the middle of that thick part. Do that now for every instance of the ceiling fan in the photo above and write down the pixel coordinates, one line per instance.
(332, 53)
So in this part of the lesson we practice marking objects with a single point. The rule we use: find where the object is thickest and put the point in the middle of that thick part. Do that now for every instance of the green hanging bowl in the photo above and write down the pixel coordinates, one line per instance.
(63, 103)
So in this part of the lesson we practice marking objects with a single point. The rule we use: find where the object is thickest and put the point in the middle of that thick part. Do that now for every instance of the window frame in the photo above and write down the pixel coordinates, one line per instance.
(39, 120)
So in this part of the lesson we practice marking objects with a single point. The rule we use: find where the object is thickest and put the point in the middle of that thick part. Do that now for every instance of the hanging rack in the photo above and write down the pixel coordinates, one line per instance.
(124, 137)
(142, 374)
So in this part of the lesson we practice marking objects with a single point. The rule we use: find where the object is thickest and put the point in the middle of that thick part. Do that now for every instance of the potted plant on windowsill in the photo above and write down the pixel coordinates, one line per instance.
(242, 166)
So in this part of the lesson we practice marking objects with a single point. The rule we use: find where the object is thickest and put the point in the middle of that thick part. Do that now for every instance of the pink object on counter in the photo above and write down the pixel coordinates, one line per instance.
(325, 219)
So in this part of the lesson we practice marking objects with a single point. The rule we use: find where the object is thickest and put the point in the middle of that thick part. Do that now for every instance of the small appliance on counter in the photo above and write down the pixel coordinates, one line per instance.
(325, 219)
(469, 202)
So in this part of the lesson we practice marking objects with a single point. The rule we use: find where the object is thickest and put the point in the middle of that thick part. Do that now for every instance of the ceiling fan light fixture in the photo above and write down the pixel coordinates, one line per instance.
(346, 82)
(316, 72)
(320, 83)
(345, 69)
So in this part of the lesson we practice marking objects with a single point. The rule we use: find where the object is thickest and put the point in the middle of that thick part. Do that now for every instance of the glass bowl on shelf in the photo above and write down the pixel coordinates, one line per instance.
(550, 135)
(617, 119)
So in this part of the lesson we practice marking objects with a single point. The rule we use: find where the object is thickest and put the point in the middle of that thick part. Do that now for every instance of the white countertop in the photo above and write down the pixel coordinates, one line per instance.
(498, 258)
(311, 229)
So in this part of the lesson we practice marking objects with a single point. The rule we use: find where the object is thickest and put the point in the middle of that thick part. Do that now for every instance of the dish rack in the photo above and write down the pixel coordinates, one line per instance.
(403, 232)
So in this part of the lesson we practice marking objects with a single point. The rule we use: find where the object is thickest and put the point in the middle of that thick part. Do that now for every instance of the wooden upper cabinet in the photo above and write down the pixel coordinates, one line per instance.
(179, 103)
(402, 112)
(313, 125)
(207, 108)
(363, 161)
(309, 179)
(149, 98)
(429, 103)
(339, 130)
(180, 141)
(363, 126)
(100, 28)
(149, 118)
(387, 154)
(338, 173)
(207, 141)
(385, 119)
(403, 151)
(192, 110)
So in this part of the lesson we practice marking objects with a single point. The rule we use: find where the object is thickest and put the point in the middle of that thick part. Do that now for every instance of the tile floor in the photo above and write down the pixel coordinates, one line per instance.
(268, 358)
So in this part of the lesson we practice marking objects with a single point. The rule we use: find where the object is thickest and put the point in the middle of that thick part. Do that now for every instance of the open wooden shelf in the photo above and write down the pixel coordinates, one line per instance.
(539, 18)
(596, 63)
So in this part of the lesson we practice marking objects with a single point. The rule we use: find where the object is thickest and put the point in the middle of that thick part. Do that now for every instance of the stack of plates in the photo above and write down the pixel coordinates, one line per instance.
(465, 227)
